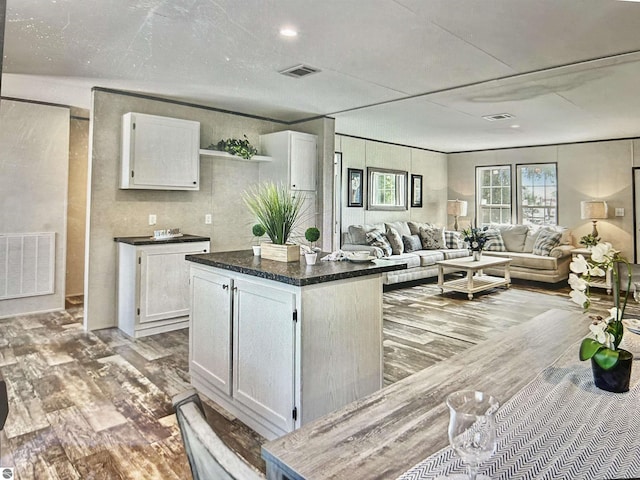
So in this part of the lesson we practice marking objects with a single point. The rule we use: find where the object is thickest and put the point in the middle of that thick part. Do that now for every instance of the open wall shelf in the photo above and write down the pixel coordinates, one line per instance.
(218, 154)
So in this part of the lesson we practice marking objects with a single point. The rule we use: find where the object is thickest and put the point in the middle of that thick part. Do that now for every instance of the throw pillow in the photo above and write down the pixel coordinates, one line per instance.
(432, 238)
(513, 236)
(377, 238)
(411, 243)
(395, 239)
(453, 239)
(414, 227)
(494, 242)
(401, 227)
(545, 242)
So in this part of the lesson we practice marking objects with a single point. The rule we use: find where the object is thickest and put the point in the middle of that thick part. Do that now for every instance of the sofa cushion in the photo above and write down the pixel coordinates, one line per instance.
(411, 243)
(513, 236)
(545, 242)
(414, 227)
(358, 233)
(453, 239)
(429, 257)
(401, 227)
(377, 238)
(432, 238)
(395, 239)
(411, 259)
(494, 242)
(455, 253)
(528, 260)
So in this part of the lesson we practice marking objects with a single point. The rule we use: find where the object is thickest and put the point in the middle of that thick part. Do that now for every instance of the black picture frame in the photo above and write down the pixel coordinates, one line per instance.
(416, 190)
(355, 182)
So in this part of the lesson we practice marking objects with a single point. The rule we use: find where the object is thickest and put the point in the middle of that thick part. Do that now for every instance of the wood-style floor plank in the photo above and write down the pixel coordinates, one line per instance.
(98, 405)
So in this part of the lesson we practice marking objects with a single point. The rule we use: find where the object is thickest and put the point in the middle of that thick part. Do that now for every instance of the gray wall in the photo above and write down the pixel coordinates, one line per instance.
(598, 170)
(114, 212)
(34, 149)
(77, 203)
(360, 153)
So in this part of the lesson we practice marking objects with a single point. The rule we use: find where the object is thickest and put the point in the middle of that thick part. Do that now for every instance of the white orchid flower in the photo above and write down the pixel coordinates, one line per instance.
(600, 335)
(613, 315)
(577, 283)
(579, 297)
(596, 271)
(475, 244)
(579, 265)
(603, 253)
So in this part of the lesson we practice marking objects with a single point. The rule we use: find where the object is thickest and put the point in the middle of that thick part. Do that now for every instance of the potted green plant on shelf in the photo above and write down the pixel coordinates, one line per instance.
(258, 231)
(611, 364)
(234, 146)
(312, 234)
(278, 212)
(589, 240)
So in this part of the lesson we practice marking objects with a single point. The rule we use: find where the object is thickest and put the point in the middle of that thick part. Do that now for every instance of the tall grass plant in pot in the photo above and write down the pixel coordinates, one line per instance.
(279, 213)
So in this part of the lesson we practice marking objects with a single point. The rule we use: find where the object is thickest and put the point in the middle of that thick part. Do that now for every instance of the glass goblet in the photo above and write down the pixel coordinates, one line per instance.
(472, 427)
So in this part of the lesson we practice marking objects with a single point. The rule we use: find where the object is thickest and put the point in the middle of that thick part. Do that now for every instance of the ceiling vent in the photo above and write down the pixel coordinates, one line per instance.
(299, 71)
(498, 116)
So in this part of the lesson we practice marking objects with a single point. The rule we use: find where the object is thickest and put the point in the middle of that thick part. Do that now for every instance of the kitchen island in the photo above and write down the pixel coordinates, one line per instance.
(280, 344)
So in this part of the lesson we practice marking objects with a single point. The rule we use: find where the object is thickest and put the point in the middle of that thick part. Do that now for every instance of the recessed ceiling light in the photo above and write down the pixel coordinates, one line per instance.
(515, 126)
(288, 32)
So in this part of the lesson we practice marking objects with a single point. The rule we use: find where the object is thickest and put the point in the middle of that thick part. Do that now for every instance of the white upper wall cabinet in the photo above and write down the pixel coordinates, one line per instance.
(160, 153)
(295, 159)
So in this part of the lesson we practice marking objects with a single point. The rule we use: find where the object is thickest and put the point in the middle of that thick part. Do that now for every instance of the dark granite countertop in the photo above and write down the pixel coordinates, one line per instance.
(149, 240)
(292, 273)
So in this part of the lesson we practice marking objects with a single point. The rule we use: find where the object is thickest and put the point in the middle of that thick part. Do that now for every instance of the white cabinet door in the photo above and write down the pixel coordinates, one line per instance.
(210, 328)
(160, 153)
(164, 281)
(264, 352)
(302, 162)
(294, 159)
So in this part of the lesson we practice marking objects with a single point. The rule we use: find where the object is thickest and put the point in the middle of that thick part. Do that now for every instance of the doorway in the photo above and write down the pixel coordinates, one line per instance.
(337, 202)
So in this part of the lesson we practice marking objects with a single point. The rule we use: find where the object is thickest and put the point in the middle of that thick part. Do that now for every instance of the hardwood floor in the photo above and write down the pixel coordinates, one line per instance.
(97, 405)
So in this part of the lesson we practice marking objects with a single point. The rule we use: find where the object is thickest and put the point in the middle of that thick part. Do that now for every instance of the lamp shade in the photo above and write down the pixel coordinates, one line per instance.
(457, 208)
(593, 209)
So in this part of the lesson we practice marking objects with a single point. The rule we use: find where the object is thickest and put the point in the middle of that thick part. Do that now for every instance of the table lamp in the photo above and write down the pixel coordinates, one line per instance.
(593, 210)
(457, 208)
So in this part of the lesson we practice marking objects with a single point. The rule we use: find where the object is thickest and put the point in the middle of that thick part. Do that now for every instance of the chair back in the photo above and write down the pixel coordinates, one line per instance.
(209, 458)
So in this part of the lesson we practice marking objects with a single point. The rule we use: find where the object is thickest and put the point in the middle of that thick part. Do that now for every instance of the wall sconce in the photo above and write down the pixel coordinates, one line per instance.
(457, 208)
(593, 210)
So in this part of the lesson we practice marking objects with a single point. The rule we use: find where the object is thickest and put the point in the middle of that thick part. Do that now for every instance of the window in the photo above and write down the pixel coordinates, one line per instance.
(493, 194)
(387, 189)
(538, 194)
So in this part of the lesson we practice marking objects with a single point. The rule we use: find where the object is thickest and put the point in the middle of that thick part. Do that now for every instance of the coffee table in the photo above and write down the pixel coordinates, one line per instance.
(475, 281)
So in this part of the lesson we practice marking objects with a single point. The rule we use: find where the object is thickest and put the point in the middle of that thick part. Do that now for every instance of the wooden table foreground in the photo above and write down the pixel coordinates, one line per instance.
(384, 434)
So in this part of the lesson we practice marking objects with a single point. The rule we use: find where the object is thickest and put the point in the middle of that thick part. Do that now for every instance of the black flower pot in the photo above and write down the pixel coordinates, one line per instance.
(615, 379)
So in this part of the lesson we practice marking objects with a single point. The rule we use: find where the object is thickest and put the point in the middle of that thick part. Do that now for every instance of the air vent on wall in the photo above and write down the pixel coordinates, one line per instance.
(299, 71)
(498, 116)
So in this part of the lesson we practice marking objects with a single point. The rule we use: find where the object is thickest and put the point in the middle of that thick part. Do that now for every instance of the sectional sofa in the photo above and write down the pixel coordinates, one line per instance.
(537, 253)
(421, 263)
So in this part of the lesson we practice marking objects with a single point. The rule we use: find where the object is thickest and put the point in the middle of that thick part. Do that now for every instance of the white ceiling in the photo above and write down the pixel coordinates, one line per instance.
(414, 72)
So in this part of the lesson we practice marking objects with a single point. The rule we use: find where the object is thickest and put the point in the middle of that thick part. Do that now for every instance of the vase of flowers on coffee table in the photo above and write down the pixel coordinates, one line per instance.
(475, 238)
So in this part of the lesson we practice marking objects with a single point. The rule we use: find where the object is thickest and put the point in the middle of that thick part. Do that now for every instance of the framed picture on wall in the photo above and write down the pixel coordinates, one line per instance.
(416, 190)
(354, 187)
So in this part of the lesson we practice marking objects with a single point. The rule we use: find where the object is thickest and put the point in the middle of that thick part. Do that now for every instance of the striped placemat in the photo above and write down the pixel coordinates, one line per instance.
(559, 426)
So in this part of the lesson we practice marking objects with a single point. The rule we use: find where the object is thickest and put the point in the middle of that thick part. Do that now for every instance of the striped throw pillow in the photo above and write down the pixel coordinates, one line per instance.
(377, 238)
(453, 239)
(545, 242)
(494, 241)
